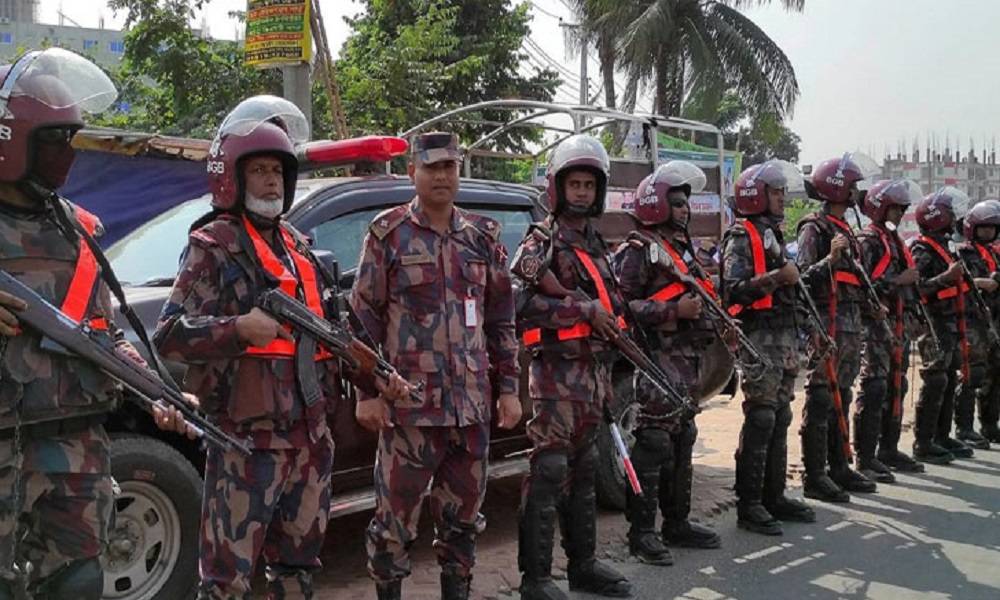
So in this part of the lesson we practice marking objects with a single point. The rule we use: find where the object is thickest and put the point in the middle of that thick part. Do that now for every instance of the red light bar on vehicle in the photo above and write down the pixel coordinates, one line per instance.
(376, 148)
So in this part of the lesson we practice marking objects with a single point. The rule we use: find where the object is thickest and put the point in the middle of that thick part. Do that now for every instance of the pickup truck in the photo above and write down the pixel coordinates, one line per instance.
(153, 548)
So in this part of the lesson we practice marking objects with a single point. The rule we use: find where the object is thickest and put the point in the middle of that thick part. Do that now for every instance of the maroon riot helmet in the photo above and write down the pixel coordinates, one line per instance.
(581, 152)
(889, 192)
(752, 184)
(834, 180)
(42, 98)
(986, 212)
(261, 125)
(937, 211)
(652, 205)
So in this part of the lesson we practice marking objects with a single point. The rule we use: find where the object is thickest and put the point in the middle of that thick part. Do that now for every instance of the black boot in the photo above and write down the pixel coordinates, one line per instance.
(578, 524)
(955, 447)
(970, 438)
(888, 448)
(988, 398)
(537, 527)
(651, 453)
(816, 484)
(455, 585)
(867, 424)
(780, 506)
(759, 424)
(840, 470)
(991, 432)
(389, 590)
(675, 497)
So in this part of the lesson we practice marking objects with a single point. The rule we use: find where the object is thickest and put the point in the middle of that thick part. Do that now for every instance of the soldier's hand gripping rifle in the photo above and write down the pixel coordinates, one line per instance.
(829, 345)
(62, 334)
(761, 364)
(977, 297)
(343, 344)
(925, 314)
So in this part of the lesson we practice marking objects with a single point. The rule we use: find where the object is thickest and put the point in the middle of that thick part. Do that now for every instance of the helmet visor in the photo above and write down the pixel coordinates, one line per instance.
(677, 173)
(780, 174)
(902, 191)
(252, 112)
(59, 79)
(865, 165)
(959, 200)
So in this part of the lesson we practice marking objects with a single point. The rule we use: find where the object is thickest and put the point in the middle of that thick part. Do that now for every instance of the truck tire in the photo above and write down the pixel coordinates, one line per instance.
(153, 543)
(610, 476)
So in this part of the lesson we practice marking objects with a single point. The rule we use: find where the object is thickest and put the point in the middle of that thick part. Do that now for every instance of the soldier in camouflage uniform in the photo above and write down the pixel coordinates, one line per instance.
(55, 469)
(758, 286)
(260, 383)
(980, 230)
(884, 360)
(827, 253)
(679, 334)
(567, 306)
(988, 396)
(434, 290)
(946, 293)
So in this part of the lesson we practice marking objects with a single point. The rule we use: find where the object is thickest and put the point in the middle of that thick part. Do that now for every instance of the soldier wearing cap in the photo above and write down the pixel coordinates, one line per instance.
(434, 291)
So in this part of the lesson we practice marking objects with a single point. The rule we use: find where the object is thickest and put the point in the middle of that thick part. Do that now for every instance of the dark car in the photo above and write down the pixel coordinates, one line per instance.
(153, 549)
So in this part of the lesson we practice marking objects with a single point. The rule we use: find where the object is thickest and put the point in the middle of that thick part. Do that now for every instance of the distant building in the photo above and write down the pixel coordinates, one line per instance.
(22, 11)
(977, 176)
(104, 46)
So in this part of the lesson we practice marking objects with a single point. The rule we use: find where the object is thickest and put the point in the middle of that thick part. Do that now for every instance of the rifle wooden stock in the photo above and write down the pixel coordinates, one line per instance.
(338, 340)
(80, 341)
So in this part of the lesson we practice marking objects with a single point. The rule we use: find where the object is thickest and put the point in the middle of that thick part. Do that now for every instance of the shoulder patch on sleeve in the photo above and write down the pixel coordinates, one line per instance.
(491, 227)
(387, 220)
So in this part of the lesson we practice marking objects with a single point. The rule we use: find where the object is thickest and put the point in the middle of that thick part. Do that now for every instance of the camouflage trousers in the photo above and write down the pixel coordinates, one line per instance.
(946, 394)
(822, 437)
(988, 396)
(448, 464)
(878, 416)
(273, 501)
(64, 503)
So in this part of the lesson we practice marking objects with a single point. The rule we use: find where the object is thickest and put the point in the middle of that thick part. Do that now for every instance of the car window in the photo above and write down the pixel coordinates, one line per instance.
(344, 235)
(153, 250)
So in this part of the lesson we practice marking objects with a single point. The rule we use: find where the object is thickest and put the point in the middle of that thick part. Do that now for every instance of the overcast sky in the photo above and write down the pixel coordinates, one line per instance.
(872, 73)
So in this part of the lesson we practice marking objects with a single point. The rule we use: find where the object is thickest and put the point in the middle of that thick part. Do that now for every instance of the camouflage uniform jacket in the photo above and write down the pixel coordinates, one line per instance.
(640, 280)
(873, 253)
(932, 267)
(442, 308)
(252, 397)
(978, 267)
(563, 370)
(50, 386)
(816, 232)
(737, 286)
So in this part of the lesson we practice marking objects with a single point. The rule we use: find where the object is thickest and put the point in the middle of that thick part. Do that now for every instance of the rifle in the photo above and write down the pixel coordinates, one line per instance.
(338, 340)
(829, 344)
(62, 334)
(718, 314)
(686, 409)
(977, 297)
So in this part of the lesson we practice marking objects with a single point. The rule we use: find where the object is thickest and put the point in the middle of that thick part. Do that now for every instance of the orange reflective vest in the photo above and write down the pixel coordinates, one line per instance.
(82, 286)
(844, 276)
(279, 348)
(987, 256)
(671, 291)
(883, 263)
(533, 337)
(759, 268)
(949, 292)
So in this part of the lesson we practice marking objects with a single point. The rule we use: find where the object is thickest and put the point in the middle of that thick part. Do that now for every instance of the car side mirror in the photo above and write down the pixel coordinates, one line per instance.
(329, 267)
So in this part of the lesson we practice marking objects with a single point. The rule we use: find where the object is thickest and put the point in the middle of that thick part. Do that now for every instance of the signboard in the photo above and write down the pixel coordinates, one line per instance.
(278, 33)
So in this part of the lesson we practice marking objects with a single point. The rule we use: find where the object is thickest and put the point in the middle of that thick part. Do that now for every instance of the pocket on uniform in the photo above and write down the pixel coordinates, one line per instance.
(415, 286)
(426, 367)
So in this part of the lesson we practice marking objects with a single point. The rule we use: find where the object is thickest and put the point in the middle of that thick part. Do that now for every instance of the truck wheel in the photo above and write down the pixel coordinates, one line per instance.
(611, 479)
(153, 543)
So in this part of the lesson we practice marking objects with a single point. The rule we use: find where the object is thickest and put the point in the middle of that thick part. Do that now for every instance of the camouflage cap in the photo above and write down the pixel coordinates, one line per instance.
(436, 146)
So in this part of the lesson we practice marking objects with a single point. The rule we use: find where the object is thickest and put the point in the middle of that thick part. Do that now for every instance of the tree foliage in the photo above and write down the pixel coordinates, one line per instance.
(174, 81)
(409, 60)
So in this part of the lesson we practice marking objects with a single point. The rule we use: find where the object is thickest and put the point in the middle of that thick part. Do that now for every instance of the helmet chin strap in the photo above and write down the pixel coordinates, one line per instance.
(34, 190)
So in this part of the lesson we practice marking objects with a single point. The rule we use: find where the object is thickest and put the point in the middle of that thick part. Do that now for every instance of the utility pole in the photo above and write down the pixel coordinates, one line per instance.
(584, 42)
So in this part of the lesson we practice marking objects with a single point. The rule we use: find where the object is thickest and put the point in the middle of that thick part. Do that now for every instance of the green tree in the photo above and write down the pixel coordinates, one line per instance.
(174, 81)
(408, 60)
(685, 47)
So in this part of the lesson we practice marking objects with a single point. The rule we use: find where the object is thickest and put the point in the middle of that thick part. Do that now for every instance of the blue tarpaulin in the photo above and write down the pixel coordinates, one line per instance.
(126, 191)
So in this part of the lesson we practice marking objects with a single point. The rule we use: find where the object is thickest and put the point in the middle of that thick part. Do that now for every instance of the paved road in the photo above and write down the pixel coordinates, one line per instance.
(933, 536)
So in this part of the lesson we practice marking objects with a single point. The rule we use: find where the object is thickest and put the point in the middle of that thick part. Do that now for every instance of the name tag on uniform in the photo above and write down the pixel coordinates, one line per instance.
(470, 312)
(417, 259)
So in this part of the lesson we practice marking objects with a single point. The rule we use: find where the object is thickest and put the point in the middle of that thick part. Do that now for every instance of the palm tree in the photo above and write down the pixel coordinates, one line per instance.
(691, 47)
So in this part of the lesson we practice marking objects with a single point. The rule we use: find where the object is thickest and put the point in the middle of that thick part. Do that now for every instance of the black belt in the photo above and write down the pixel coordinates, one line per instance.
(55, 428)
